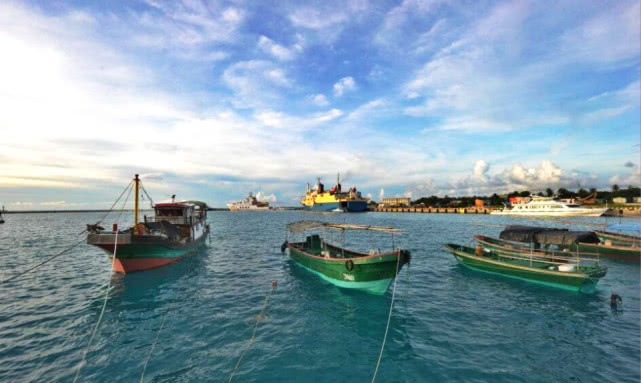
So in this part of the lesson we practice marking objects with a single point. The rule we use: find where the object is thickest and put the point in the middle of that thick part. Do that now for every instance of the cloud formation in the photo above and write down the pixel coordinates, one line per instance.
(343, 85)
(210, 99)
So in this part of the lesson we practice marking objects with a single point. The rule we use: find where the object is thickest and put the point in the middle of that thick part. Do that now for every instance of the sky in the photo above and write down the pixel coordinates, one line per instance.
(211, 100)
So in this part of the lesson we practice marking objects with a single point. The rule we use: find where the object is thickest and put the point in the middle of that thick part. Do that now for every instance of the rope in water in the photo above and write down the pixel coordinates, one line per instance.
(389, 319)
(251, 341)
(65, 250)
(142, 376)
(104, 304)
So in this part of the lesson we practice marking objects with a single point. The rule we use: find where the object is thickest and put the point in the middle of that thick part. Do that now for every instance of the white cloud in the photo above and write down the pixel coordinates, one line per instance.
(318, 19)
(280, 52)
(186, 29)
(470, 124)
(381, 194)
(517, 177)
(487, 78)
(320, 99)
(343, 85)
(367, 110)
(632, 178)
(255, 82)
(281, 120)
(263, 197)
(608, 38)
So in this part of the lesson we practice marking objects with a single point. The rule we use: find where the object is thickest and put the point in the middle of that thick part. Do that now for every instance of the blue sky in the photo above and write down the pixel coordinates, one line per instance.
(213, 99)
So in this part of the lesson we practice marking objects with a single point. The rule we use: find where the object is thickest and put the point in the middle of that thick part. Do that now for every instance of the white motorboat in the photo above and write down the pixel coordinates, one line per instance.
(546, 206)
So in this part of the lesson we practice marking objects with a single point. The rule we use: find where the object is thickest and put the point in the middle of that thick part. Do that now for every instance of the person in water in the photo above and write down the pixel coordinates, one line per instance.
(615, 299)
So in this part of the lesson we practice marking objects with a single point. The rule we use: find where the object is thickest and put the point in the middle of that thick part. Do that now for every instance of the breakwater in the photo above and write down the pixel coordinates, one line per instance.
(438, 210)
(627, 211)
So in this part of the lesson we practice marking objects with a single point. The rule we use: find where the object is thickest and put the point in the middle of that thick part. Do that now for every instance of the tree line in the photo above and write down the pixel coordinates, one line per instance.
(561, 193)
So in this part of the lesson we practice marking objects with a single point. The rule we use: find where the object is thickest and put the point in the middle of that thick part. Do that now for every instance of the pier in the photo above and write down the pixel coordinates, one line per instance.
(437, 210)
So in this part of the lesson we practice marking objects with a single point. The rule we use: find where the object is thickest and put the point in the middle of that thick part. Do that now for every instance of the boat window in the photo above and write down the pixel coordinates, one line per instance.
(169, 212)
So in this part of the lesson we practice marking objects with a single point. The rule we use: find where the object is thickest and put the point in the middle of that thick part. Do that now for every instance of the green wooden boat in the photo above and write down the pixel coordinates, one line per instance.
(544, 271)
(606, 249)
(372, 272)
(558, 242)
(618, 239)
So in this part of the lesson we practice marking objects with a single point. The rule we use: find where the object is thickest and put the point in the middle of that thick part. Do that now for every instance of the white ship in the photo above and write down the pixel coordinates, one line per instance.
(249, 203)
(546, 206)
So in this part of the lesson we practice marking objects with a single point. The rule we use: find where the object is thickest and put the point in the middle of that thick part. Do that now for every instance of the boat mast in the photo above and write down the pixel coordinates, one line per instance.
(136, 192)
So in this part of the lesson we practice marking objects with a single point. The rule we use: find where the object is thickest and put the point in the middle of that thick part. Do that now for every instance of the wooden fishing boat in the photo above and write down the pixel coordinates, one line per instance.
(558, 241)
(372, 272)
(176, 230)
(574, 276)
(618, 239)
(608, 250)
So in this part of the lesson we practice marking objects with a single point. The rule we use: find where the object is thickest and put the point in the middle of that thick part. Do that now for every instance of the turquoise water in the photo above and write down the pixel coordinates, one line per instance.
(448, 323)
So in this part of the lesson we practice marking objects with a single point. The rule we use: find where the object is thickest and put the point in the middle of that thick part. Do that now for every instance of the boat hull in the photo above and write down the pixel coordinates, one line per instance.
(631, 254)
(370, 273)
(133, 256)
(581, 213)
(568, 281)
(348, 206)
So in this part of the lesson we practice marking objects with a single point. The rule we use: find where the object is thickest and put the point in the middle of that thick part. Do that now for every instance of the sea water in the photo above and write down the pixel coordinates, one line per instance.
(448, 323)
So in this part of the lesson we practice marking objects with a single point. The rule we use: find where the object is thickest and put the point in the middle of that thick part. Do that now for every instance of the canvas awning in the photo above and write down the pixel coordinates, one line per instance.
(546, 235)
(302, 226)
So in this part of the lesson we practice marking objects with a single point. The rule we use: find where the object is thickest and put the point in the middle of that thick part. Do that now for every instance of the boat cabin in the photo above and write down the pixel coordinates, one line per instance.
(179, 213)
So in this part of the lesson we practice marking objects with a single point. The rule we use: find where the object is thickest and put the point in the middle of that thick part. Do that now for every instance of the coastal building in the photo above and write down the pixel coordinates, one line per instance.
(400, 201)
(515, 200)
(479, 203)
(620, 200)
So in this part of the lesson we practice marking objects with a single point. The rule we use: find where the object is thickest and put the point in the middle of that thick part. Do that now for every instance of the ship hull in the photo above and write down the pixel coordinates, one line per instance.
(133, 256)
(348, 206)
(552, 213)
(370, 273)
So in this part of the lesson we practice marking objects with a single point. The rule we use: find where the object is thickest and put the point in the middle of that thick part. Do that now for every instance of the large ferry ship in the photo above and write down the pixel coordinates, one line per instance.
(546, 206)
(249, 203)
(334, 199)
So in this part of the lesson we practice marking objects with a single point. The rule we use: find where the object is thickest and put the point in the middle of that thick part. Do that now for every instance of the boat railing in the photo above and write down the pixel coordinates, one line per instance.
(538, 259)
(525, 249)
(174, 220)
(565, 257)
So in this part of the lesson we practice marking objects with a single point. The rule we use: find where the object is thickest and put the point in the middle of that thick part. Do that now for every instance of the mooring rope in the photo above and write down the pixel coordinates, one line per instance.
(62, 252)
(104, 304)
(142, 376)
(251, 341)
(389, 319)
(43, 262)
(112, 206)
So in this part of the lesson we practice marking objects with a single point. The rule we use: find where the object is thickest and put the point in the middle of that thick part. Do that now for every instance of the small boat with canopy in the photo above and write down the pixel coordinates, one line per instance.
(558, 241)
(621, 235)
(569, 273)
(372, 272)
(176, 230)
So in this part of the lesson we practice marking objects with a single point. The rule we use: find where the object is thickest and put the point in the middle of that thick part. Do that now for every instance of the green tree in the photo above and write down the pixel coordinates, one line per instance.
(549, 192)
(583, 193)
(563, 193)
(495, 200)
(615, 189)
